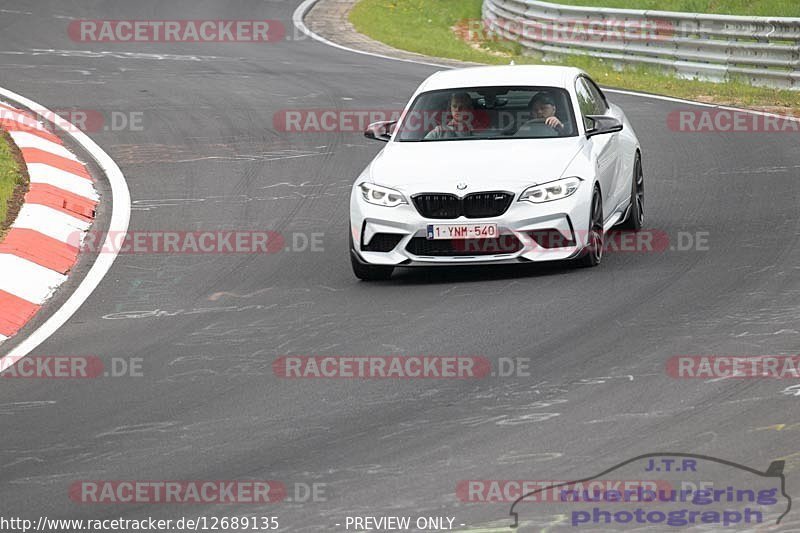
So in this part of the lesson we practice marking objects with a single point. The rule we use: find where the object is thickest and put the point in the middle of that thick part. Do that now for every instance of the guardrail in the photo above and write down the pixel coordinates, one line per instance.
(760, 50)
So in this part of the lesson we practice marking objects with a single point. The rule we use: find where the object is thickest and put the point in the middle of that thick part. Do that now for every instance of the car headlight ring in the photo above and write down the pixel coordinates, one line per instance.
(375, 194)
(552, 190)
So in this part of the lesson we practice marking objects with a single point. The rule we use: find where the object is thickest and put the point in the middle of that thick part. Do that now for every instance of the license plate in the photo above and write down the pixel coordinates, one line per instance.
(461, 231)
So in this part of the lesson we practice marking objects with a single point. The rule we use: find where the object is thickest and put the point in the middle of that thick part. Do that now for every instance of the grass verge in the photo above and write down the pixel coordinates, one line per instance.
(13, 182)
(440, 29)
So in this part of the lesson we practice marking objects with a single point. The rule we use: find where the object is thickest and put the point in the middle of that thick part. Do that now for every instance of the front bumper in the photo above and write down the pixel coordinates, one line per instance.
(523, 221)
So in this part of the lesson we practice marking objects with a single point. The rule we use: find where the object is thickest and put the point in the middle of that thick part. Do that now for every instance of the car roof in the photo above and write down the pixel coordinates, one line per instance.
(541, 75)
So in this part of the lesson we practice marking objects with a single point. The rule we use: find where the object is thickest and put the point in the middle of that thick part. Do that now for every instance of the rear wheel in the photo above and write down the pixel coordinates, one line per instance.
(635, 218)
(367, 272)
(593, 253)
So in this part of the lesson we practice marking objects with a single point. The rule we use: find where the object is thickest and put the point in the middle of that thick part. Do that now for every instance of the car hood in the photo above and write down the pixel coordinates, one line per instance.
(439, 166)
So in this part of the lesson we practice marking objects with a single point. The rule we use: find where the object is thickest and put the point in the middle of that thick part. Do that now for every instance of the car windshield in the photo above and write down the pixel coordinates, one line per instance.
(488, 113)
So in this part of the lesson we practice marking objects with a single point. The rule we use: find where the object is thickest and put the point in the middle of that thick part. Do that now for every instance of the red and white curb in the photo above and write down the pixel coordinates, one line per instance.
(41, 246)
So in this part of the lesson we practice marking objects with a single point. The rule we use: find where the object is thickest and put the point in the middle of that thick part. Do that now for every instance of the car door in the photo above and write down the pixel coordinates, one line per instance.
(621, 183)
(603, 147)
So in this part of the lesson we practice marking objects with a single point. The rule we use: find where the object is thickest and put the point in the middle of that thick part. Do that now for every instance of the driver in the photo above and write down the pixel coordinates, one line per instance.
(543, 106)
(460, 123)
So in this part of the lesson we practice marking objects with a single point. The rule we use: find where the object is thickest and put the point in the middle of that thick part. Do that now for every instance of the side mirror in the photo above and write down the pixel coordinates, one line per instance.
(601, 124)
(380, 131)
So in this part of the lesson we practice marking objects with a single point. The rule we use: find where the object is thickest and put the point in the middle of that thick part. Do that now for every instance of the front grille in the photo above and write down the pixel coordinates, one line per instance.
(382, 242)
(474, 205)
(505, 244)
(486, 204)
(438, 205)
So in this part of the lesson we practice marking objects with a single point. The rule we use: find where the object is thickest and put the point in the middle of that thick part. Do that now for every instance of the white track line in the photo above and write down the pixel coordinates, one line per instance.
(700, 104)
(300, 13)
(305, 7)
(120, 217)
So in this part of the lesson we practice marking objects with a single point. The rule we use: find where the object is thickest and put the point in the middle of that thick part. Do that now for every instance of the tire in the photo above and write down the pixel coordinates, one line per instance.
(593, 253)
(635, 218)
(366, 272)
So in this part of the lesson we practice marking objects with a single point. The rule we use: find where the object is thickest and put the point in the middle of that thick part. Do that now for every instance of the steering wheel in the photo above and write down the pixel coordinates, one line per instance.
(536, 128)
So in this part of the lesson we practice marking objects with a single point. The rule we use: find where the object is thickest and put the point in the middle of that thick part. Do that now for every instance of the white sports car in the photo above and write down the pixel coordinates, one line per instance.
(492, 165)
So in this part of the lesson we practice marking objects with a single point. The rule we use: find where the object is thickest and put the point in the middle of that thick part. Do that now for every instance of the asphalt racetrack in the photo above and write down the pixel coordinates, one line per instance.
(208, 405)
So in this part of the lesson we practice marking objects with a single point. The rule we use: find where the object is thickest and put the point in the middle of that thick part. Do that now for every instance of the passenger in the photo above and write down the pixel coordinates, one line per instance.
(461, 121)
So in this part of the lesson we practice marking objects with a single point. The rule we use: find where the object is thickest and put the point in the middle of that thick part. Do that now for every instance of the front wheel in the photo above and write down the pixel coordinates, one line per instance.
(593, 253)
(635, 218)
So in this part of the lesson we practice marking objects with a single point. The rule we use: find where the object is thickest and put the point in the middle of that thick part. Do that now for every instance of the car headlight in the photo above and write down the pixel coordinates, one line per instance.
(375, 194)
(552, 190)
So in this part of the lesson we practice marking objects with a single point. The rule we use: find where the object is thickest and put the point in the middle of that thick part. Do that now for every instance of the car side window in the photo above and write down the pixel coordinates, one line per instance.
(597, 96)
(586, 101)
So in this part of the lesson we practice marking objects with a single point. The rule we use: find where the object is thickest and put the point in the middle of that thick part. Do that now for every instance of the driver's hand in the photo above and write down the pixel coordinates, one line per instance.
(460, 126)
(554, 123)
